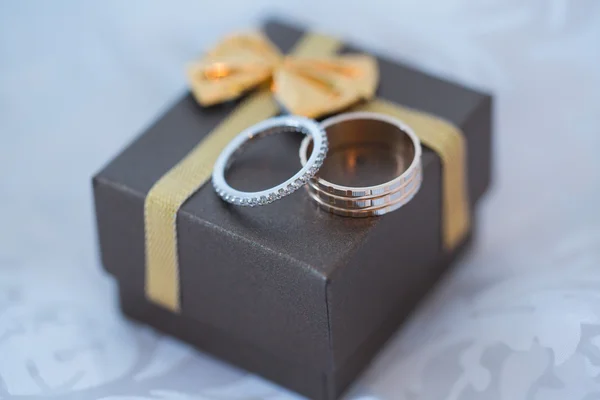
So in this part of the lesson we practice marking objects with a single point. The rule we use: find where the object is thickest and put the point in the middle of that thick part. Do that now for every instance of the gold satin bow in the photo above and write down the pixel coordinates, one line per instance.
(311, 87)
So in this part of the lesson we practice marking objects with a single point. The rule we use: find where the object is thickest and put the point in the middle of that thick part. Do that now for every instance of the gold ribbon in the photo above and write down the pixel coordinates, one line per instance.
(172, 190)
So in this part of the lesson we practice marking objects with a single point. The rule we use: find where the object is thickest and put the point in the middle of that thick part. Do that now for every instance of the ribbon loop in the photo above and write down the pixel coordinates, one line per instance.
(311, 87)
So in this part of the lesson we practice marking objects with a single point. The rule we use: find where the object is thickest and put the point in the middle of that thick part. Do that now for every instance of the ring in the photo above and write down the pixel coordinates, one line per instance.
(360, 128)
(287, 124)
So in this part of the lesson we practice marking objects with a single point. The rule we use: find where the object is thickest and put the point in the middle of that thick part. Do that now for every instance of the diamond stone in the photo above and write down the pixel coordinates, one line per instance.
(262, 200)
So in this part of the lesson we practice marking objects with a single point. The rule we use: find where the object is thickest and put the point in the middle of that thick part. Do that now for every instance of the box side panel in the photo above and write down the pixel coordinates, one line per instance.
(305, 380)
(344, 375)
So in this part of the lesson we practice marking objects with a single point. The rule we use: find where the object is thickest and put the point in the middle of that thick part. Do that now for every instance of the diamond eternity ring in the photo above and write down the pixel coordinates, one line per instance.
(283, 124)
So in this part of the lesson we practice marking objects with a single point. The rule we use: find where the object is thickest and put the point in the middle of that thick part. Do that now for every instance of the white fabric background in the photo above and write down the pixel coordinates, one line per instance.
(518, 319)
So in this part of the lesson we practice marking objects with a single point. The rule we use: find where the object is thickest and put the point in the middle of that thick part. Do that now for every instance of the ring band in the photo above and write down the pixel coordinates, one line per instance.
(358, 128)
(403, 193)
(308, 127)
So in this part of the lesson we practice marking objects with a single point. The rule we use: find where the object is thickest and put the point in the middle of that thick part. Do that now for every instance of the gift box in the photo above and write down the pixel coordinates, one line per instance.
(288, 291)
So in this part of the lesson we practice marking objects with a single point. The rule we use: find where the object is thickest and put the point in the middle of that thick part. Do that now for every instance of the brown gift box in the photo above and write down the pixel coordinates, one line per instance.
(288, 291)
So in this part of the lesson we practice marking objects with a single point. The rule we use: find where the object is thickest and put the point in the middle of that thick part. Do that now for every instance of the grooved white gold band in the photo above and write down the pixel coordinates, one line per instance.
(362, 127)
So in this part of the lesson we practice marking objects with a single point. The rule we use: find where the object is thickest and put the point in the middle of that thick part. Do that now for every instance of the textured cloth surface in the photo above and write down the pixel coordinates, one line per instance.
(519, 318)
